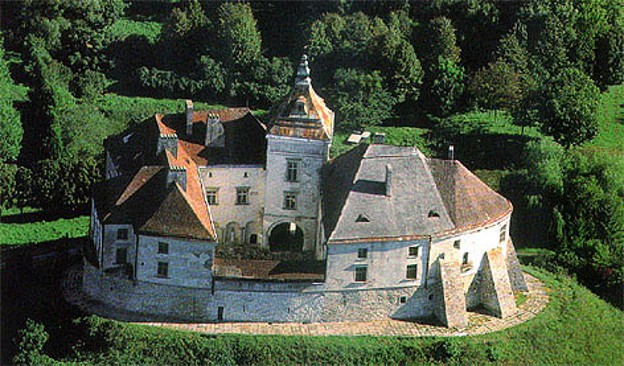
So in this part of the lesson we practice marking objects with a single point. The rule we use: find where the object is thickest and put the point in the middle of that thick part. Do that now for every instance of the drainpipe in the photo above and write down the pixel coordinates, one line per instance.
(429, 242)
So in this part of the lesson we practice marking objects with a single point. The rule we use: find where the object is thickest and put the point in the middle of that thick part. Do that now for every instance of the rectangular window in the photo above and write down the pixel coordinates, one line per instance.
(360, 274)
(121, 255)
(362, 253)
(290, 201)
(457, 244)
(503, 233)
(242, 196)
(163, 248)
(292, 171)
(414, 251)
(211, 196)
(163, 270)
(122, 234)
(412, 272)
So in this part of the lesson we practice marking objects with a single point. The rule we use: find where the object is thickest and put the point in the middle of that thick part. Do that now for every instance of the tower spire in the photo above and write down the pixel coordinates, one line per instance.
(303, 72)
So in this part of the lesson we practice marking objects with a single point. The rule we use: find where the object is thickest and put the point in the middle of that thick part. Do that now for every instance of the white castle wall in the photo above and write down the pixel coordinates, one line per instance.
(241, 219)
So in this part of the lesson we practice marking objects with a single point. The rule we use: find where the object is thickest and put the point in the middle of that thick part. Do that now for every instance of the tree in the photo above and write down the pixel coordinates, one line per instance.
(498, 86)
(447, 87)
(443, 41)
(239, 38)
(568, 107)
(11, 131)
(360, 99)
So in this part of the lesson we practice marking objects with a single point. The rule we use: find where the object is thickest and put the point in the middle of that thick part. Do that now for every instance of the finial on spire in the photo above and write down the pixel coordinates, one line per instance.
(303, 72)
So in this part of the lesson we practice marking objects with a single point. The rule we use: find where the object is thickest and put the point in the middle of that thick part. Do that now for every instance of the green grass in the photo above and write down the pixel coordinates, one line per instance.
(610, 122)
(18, 233)
(124, 28)
(398, 136)
(575, 328)
(135, 109)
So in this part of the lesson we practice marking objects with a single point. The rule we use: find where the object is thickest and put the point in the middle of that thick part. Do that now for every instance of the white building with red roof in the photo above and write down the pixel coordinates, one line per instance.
(214, 216)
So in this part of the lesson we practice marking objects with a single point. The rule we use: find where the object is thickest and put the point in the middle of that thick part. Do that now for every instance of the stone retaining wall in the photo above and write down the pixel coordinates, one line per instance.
(305, 302)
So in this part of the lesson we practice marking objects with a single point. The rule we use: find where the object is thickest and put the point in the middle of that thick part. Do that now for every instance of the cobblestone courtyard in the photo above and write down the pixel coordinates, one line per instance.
(536, 300)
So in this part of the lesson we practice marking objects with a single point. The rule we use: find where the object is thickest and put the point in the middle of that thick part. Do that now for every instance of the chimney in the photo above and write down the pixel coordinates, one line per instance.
(388, 180)
(451, 152)
(167, 142)
(177, 174)
(379, 138)
(215, 134)
(189, 117)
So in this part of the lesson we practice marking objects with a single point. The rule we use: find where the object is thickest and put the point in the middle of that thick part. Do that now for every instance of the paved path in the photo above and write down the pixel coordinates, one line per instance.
(537, 299)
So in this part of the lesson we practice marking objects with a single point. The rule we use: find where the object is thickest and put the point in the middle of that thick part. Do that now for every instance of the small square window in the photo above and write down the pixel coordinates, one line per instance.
(211, 196)
(163, 248)
(402, 299)
(163, 270)
(457, 244)
(122, 234)
(362, 253)
(414, 251)
(360, 274)
(121, 255)
(242, 196)
(412, 272)
(290, 201)
(292, 171)
(503, 233)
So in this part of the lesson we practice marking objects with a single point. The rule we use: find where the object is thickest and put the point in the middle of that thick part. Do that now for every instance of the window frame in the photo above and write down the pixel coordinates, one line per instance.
(212, 193)
(358, 272)
(160, 265)
(363, 251)
(409, 251)
(161, 245)
(242, 192)
(502, 234)
(292, 174)
(411, 272)
(124, 236)
(125, 251)
(290, 201)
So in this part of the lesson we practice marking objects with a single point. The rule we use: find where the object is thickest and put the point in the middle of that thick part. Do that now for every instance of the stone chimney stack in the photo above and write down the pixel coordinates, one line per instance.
(189, 117)
(451, 152)
(388, 180)
(215, 134)
(177, 174)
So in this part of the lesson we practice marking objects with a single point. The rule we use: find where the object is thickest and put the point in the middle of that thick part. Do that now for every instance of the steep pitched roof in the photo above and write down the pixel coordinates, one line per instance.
(468, 199)
(414, 206)
(176, 217)
(427, 196)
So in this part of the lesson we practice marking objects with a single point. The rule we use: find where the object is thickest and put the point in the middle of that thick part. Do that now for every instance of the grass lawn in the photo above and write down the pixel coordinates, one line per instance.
(31, 227)
(575, 328)
(135, 109)
(124, 28)
(398, 136)
(610, 121)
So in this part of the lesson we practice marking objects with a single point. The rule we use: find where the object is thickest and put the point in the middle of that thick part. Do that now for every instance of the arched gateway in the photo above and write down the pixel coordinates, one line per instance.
(286, 236)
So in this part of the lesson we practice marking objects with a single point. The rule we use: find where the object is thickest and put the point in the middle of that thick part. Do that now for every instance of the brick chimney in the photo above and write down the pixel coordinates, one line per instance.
(167, 142)
(189, 117)
(388, 180)
(379, 138)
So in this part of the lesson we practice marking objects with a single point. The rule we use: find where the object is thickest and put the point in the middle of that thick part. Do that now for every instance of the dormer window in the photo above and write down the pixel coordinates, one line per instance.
(433, 213)
(362, 218)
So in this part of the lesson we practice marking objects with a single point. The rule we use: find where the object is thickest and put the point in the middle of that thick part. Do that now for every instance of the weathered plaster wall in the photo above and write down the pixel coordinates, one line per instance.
(231, 220)
(386, 264)
(111, 244)
(189, 261)
(311, 156)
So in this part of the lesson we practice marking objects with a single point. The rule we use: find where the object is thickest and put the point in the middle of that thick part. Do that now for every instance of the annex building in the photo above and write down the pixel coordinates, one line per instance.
(214, 216)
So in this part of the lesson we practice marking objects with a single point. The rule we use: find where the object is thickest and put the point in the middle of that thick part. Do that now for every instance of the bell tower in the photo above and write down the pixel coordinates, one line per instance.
(298, 145)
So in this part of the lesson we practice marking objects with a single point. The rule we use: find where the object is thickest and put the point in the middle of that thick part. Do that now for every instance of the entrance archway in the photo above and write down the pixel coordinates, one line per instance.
(286, 236)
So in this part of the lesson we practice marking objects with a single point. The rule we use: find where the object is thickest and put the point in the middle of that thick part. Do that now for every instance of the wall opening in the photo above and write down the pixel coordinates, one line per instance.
(220, 313)
(286, 236)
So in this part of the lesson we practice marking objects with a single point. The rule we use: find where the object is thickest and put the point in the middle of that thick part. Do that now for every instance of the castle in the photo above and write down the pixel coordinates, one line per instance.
(213, 216)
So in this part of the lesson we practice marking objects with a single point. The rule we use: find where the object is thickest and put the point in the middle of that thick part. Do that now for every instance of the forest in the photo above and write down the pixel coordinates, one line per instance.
(530, 93)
